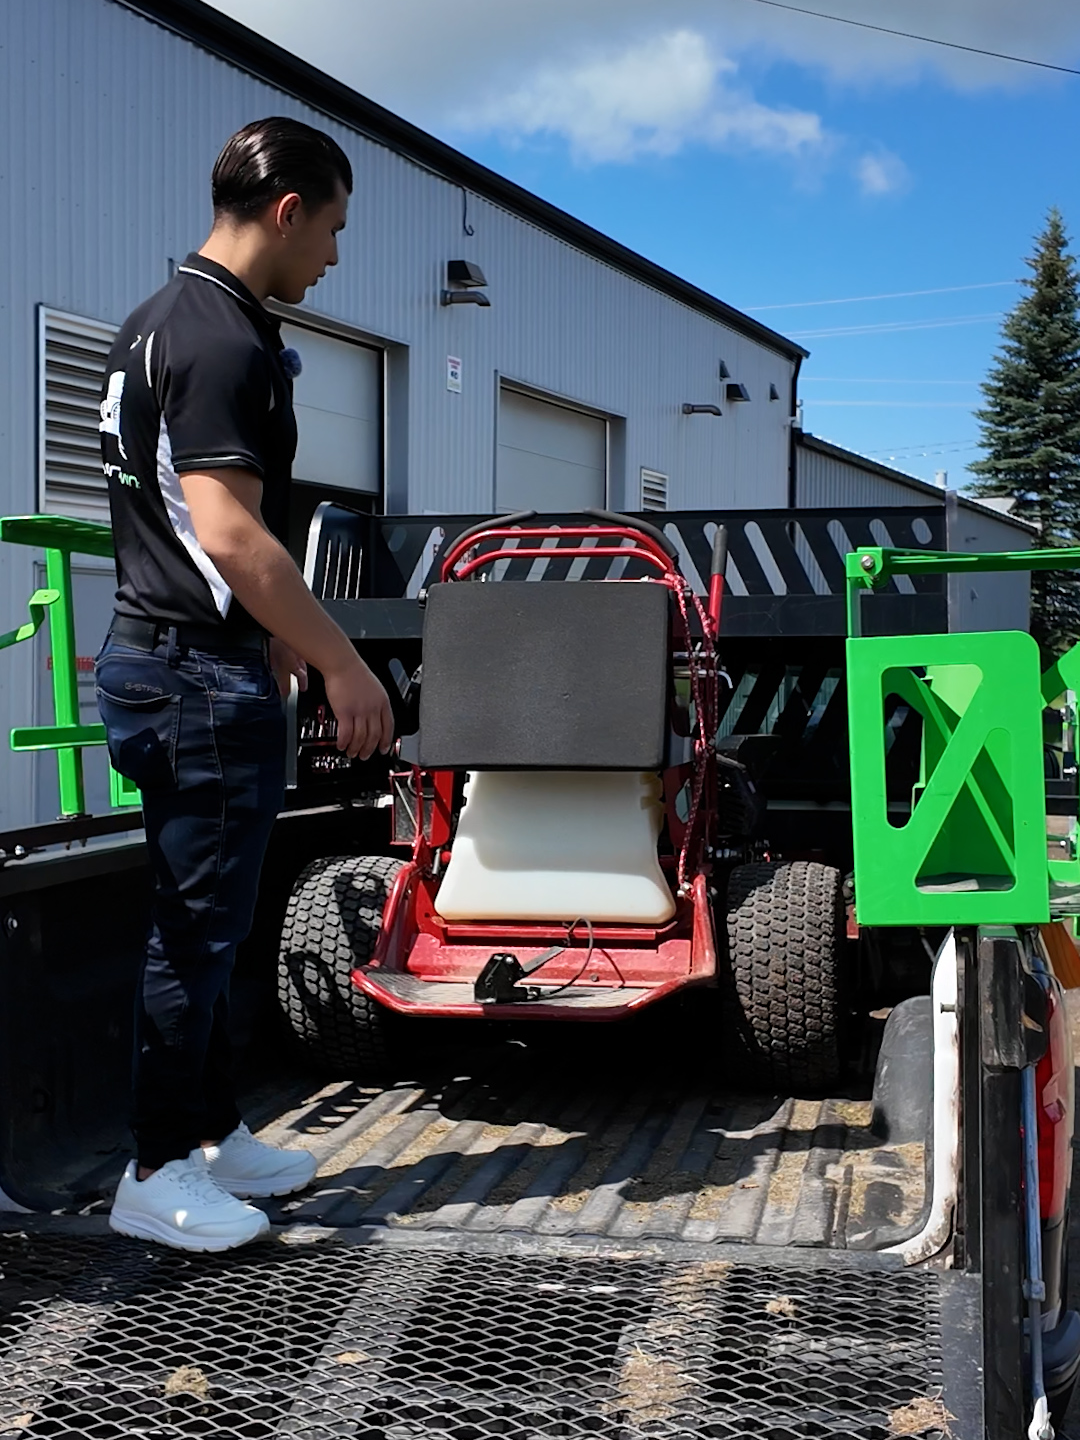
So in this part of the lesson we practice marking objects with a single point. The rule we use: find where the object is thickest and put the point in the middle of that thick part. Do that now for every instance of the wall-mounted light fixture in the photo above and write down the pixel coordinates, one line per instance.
(468, 280)
(725, 373)
(464, 297)
(774, 393)
(688, 409)
(735, 392)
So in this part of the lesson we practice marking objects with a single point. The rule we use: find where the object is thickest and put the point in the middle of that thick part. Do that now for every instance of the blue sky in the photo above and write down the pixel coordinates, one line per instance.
(773, 159)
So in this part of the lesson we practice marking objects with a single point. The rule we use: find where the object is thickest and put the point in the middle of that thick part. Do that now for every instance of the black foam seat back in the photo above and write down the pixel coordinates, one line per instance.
(556, 676)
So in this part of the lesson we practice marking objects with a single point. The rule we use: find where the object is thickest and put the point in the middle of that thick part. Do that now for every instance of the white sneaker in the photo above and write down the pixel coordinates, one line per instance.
(246, 1167)
(181, 1205)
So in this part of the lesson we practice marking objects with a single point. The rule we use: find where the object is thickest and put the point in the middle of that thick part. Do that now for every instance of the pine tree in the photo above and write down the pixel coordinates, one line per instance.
(1030, 424)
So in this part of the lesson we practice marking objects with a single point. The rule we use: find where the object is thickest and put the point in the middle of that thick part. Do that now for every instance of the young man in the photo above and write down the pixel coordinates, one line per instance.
(212, 621)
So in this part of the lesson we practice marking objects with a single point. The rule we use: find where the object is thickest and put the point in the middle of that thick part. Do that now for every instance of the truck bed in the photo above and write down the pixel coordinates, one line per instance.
(536, 1240)
(566, 1233)
(539, 1141)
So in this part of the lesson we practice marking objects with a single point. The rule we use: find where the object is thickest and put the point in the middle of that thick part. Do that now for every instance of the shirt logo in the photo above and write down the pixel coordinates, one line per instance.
(110, 408)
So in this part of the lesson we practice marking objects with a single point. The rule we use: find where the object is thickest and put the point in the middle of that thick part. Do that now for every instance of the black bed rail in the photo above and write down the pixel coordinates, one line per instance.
(785, 572)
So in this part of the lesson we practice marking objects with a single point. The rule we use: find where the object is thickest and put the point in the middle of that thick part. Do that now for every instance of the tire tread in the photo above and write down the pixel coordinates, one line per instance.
(783, 987)
(331, 927)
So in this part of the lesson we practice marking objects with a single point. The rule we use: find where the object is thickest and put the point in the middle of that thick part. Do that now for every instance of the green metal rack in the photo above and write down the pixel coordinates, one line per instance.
(971, 846)
(60, 538)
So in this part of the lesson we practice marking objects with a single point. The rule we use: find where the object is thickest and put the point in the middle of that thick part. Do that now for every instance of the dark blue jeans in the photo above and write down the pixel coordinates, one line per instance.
(203, 736)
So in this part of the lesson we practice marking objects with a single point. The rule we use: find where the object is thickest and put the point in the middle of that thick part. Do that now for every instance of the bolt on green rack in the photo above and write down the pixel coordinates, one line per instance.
(970, 847)
(61, 537)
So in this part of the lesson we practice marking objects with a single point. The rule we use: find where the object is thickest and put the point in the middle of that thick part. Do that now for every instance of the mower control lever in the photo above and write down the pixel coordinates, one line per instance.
(719, 552)
(717, 572)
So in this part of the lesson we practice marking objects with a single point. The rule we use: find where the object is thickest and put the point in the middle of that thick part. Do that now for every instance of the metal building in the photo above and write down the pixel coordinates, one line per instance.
(567, 389)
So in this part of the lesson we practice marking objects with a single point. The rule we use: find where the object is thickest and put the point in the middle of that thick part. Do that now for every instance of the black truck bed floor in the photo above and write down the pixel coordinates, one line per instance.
(536, 1144)
(583, 1136)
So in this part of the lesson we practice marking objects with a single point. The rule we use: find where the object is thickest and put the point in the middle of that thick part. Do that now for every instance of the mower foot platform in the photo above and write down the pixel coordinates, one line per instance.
(411, 995)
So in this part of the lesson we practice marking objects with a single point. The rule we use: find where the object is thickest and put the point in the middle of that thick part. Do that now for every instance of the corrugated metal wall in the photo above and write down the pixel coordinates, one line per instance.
(111, 125)
(825, 480)
(990, 601)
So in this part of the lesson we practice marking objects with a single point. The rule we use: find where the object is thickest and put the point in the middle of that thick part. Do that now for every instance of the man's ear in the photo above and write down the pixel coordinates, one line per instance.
(286, 210)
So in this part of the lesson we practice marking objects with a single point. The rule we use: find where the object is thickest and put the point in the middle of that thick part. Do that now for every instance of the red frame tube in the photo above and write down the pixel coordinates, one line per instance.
(716, 601)
(643, 547)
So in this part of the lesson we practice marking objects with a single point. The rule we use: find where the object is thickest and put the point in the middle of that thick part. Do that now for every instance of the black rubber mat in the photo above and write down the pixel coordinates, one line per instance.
(105, 1339)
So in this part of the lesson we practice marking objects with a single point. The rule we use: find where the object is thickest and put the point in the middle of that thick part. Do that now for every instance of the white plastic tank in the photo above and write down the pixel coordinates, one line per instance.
(558, 845)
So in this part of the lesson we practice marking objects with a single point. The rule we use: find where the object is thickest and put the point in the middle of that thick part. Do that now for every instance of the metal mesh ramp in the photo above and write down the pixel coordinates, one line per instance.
(104, 1339)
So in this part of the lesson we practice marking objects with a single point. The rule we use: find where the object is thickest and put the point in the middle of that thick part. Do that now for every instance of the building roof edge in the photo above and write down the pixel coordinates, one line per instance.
(852, 457)
(236, 43)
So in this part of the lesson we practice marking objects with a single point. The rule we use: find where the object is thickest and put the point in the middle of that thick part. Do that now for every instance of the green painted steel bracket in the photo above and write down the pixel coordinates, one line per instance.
(58, 532)
(37, 605)
(61, 537)
(972, 850)
(972, 847)
(872, 566)
(56, 737)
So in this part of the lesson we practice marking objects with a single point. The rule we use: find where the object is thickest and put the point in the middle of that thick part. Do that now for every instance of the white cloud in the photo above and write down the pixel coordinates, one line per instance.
(648, 97)
(597, 75)
(428, 58)
(881, 173)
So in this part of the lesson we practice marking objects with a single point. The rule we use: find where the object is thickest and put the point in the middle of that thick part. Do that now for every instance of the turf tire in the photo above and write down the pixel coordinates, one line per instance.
(783, 983)
(331, 926)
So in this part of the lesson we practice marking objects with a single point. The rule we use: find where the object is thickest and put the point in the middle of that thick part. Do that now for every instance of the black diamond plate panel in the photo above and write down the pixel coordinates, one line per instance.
(108, 1339)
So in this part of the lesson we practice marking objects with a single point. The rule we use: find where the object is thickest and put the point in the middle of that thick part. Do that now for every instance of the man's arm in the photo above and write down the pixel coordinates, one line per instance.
(224, 508)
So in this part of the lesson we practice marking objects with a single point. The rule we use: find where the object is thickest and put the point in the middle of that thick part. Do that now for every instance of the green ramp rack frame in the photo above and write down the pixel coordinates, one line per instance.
(972, 850)
(61, 537)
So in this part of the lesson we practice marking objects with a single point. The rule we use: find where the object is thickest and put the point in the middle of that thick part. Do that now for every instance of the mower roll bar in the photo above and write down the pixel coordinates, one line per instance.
(497, 521)
(514, 538)
(611, 517)
(657, 548)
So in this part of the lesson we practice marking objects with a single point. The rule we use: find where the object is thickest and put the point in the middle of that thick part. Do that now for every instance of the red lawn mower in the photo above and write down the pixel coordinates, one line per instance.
(574, 824)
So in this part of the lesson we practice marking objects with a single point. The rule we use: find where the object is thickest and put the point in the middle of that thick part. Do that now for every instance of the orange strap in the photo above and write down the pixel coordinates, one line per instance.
(1063, 953)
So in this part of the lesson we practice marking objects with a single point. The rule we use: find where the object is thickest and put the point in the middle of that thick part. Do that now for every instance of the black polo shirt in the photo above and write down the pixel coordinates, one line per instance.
(194, 382)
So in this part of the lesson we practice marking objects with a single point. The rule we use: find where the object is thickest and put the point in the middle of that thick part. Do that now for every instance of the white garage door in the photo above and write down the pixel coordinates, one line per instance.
(551, 458)
(338, 400)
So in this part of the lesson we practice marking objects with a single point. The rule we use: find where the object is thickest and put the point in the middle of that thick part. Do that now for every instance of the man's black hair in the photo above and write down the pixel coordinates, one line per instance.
(274, 157)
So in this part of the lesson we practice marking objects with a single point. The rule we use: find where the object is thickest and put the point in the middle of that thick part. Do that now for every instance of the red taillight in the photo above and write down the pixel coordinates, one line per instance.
(1054, 1106)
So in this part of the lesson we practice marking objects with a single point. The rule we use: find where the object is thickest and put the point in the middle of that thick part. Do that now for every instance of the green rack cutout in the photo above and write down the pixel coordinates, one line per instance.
(971, 846)
(61, 537)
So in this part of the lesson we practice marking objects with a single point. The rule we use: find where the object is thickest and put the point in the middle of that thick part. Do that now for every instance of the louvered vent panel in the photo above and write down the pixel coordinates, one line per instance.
(74, 352)
(654, 490)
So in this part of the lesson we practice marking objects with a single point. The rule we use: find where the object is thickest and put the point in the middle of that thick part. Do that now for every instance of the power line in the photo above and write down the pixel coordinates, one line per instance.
(896, 295)
(928, 447)
(894, 326)
(895, 404)
(867, 380)
(925, 39)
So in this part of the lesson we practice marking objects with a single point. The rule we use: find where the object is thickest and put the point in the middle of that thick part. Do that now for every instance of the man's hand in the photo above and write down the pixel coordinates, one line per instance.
(365, 721)
(285, 663)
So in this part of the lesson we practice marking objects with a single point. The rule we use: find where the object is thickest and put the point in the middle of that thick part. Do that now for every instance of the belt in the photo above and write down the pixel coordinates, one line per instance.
(149, 634)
